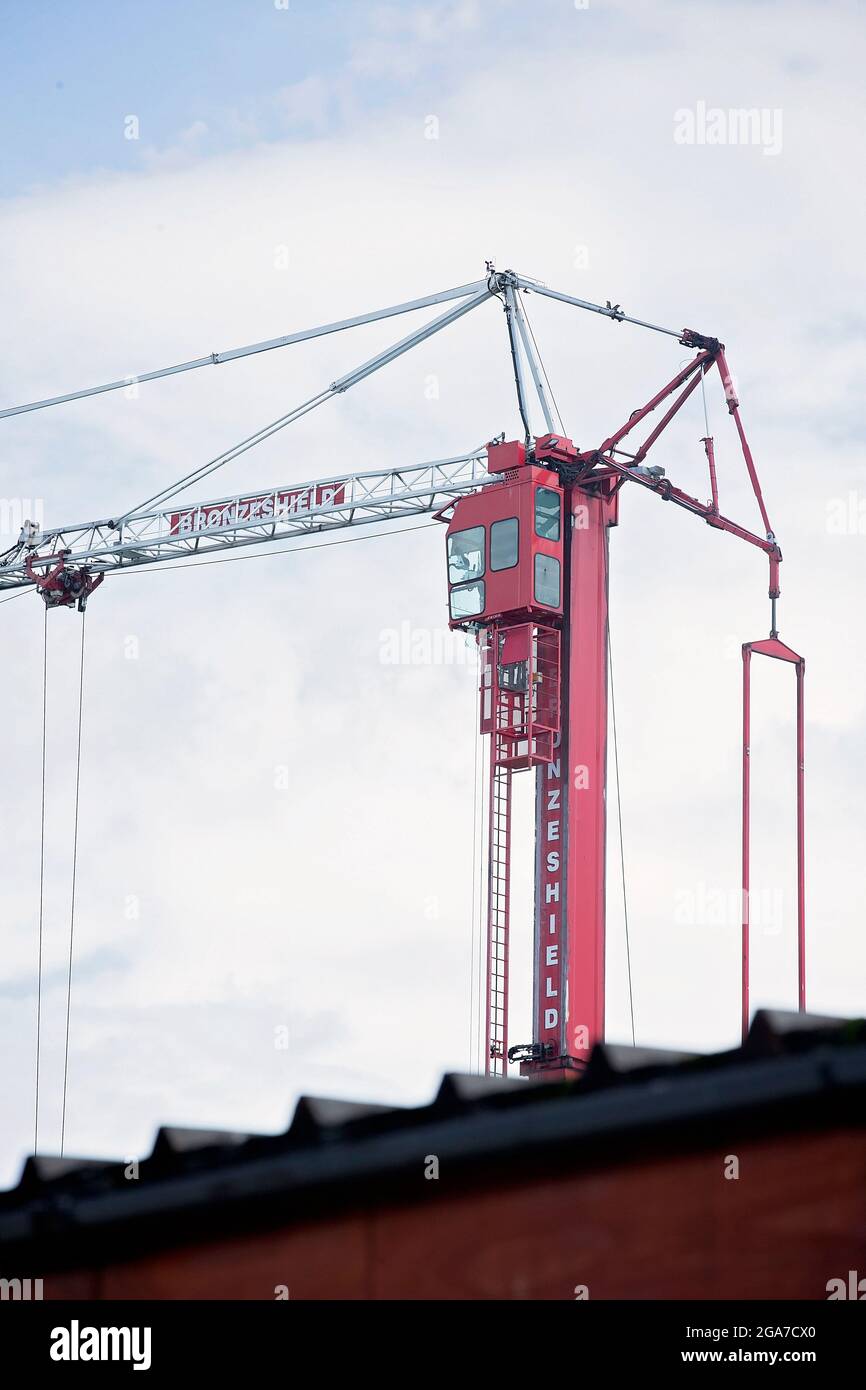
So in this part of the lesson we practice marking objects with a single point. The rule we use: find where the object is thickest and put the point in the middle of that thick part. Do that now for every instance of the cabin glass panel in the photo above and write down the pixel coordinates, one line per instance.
(504, 544)
(547, 588)
(466, 555)
(467, 600)
(547, 511)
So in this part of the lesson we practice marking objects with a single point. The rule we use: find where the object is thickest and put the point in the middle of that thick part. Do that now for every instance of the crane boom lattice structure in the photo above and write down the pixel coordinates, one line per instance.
(250, 519)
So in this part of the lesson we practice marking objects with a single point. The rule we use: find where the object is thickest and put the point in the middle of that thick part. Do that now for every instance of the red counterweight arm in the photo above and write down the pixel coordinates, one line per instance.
(603, 462)
(605, 456)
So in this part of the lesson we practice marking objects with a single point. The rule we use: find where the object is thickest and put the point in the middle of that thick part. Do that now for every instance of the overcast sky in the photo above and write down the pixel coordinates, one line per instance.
(276, 820)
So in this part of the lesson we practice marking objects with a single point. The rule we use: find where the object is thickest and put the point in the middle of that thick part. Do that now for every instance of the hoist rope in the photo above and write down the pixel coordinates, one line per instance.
(72, 903)
(619, 820)
(704, 398)
(475, 870)
(41, 876)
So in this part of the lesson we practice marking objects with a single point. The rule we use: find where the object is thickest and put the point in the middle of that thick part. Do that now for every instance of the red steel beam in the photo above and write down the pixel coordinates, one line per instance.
(734, 410)
(637, 415)
(772, 647)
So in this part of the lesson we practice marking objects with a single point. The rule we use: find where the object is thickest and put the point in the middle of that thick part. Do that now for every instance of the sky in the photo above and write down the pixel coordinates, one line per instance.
(276, 883)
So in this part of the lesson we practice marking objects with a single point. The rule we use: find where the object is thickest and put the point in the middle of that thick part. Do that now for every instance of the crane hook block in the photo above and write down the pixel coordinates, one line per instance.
(60, 585)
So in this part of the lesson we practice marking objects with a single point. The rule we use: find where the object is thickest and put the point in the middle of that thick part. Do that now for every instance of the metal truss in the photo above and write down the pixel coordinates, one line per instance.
(251, 518)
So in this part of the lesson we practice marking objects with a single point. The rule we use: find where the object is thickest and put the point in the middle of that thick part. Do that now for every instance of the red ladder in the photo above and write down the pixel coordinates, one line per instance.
(498, 912)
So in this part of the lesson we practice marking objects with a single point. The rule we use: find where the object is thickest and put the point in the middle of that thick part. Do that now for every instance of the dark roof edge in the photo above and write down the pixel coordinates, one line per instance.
(188, 1190)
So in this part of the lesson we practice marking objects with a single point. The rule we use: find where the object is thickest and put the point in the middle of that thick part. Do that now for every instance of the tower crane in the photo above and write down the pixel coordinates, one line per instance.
(527, 525)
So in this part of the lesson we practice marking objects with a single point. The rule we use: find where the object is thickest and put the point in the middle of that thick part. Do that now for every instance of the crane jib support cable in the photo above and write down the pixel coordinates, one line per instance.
(213, 359)
(338, 387)
(216, 358)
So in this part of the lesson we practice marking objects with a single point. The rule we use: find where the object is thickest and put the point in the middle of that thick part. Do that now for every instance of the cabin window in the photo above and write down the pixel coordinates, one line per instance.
(547, 514)
(503, 544)
(547, 581)
(466, 555)
(467, 600)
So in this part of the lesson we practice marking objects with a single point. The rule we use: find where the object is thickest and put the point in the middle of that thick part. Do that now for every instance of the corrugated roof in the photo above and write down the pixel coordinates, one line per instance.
(793, 1070)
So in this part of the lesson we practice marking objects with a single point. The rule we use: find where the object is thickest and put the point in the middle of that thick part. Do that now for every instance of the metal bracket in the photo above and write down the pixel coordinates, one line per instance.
(62, 586)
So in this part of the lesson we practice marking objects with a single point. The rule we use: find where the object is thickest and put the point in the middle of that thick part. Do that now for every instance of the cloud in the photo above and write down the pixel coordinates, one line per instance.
(406, 38)
(185, 150)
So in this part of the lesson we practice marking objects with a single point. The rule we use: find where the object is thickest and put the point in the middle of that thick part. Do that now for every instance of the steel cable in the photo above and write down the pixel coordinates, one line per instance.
(41, 878)
(619, 820)
(72, 903)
